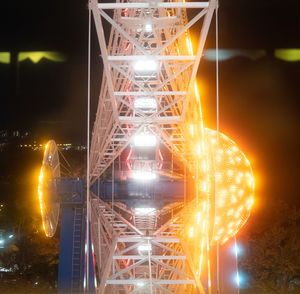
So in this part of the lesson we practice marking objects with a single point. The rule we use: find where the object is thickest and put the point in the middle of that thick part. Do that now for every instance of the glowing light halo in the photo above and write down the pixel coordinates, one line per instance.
(234, 184)
(50, 169)
(231, 184)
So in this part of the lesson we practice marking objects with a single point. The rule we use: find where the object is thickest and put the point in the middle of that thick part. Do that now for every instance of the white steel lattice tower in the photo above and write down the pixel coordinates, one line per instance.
(148, 87)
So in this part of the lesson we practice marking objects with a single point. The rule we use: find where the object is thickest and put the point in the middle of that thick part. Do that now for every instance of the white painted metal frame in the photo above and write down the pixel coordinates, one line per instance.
(116, 120)
(120, 266)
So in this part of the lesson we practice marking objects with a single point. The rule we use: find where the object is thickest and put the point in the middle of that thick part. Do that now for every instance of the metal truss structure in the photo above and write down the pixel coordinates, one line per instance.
(148, 55)
(132, 261)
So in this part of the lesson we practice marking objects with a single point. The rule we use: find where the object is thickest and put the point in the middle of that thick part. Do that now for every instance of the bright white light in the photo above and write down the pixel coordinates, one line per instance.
(145, 65)
(144, 211)
(140, 284)
(148, 27)
(144, 140)
(1, 241)
(145, 247)
(143, 175)
(236, 250)
(237, 279)
(145, 103)
(10, 236)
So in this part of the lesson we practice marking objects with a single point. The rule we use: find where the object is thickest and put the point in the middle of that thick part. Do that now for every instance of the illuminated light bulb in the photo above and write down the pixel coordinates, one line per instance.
(230, 232)
(232, 188)
(230, 173)
(148, 27)
(229, 152)
(241, 207)
(145, 140)
(223, 193)
(238, 159)
(198, 217)
(144, 211)
(220, 202)
(238, 223)
(199, 149)
(145, 247)
(220, 231)
(231, 161)
(204, 187)
(143, 175)
(203, 147)
(233, 199)
(192, 130)
(140, 284)
(240, 174)
(145, 103)
(250, 182)
(241, 192)
(237, 215)
(234, 149)
(191, 234)
(145, 65)
(218, 177)
(230, 212)
(231, 224)
(238, 180)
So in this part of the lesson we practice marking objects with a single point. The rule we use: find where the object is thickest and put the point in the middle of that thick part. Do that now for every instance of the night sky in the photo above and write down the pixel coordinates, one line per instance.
(259, 99)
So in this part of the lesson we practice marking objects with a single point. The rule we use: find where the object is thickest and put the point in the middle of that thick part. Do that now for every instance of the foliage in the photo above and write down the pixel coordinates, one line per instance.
(271, 258)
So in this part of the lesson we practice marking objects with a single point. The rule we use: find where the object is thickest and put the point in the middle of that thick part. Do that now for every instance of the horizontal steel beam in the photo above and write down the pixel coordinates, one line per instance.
(157, 239)
(158, 120)
(162, 257)
(156, 93)
(153, 4)
(156, 57)
(157, 282)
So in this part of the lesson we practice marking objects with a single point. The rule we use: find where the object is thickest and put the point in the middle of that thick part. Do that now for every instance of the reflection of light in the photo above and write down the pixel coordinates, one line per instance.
(144, 211)
(145, 65)
(148, 27)
(5, 57)
(140, 284)
(1, 241)
(36, 56)
(237, 279)
(290, 55)
(237, 250)
(143, 175)
(144, 140)
(145, 247)
(145, 103)
(10, 236)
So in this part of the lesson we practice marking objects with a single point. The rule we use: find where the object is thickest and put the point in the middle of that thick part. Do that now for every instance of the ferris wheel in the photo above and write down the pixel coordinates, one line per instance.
(149, 107)
(164, 192)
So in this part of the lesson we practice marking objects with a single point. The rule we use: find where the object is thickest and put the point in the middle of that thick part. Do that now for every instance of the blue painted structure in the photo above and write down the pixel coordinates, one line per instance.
(72, 252)
(141, 194)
